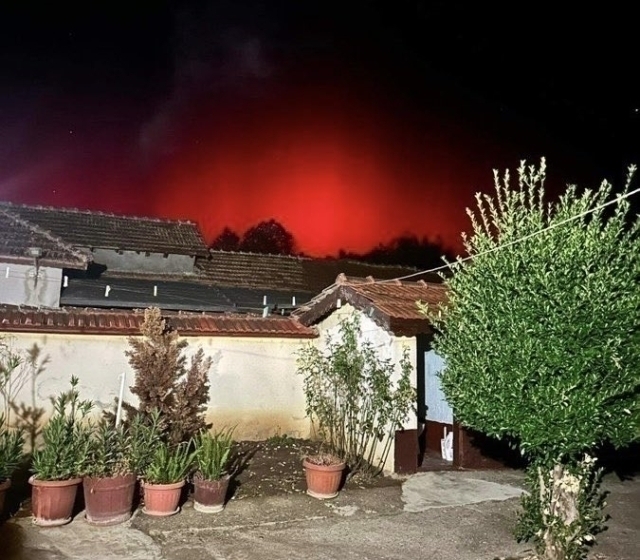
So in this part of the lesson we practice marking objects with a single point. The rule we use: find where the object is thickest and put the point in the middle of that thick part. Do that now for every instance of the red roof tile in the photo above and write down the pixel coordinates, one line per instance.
(119, 322)
(393, 305)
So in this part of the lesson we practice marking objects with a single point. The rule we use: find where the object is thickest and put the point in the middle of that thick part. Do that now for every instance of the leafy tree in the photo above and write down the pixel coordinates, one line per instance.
(227, 240)
(268, 237)
(541, 340)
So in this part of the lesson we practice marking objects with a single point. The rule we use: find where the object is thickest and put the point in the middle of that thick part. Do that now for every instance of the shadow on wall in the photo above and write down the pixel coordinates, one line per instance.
(20, 370)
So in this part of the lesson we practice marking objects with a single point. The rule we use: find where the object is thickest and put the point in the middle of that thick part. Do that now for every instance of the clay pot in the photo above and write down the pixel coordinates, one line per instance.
(4, 486)
(162, 500)
(209, 496)
(52, 501)
(109, 500)
(323, 481)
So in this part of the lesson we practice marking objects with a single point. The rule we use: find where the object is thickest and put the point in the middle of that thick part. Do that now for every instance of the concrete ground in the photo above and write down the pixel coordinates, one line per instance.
(442, 516)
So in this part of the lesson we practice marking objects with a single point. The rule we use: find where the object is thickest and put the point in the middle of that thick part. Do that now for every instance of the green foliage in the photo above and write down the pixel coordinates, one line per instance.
(169, 464)
(146, 433)
(351, 397)
(10, 362)
(540, 338)
(541, 342)
(11, 444)
(108, 451)
(279, 439)
(164, 382)
(125, 449)
(66, 438)
(213, 453)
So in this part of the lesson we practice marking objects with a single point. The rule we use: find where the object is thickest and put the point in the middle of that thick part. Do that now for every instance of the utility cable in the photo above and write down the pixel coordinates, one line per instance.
(514, 242)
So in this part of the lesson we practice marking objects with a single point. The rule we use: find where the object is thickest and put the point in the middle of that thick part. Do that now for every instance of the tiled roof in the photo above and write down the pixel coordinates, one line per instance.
(393, 305)
(128, 322)
(252, 270)
(19, 239)
(83, 228)
(280, 272)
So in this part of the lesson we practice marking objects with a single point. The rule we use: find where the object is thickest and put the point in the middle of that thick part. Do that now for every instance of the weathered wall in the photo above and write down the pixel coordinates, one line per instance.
(387, 345)
(141, 262)
(22, 284)
(254, 384)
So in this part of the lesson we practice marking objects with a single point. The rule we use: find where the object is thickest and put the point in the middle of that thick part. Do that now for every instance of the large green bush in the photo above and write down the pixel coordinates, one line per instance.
(540, 337)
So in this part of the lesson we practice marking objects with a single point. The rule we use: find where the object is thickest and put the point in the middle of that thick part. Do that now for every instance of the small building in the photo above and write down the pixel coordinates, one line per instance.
(392, 321)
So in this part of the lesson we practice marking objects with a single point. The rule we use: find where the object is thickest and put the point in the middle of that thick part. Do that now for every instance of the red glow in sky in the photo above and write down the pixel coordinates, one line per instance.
(338, 176)
(337, 170)
(341, 128)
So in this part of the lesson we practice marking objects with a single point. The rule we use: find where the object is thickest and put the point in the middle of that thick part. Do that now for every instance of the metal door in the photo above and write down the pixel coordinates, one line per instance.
(438, 410)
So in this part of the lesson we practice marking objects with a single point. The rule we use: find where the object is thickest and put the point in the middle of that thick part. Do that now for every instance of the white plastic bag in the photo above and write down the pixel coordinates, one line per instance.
(446, 445)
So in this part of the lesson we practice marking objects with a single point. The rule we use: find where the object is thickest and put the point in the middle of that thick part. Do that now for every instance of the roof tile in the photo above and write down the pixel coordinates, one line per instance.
(128, 322)
(283, 272)
(393, 305)
(19, 237)
(84, 228)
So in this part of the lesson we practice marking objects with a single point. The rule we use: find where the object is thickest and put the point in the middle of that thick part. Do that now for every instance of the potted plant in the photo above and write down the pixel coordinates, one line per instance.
(11, 454)
(211, 479)
(356, 400)
(57, 465)
(323, 473)
(165, 477)
(117, 455)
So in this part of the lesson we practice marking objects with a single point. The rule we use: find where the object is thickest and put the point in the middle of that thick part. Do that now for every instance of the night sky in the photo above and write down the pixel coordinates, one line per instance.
(348, 125)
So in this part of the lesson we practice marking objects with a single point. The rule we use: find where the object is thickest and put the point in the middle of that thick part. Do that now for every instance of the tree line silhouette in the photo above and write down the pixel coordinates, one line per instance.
(271, 237)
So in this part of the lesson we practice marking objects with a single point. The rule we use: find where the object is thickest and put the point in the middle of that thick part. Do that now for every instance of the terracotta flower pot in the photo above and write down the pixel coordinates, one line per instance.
(210, 495)
(108, 501)
(4, 486)
(162, 500)
(52, 500)
(323, 481)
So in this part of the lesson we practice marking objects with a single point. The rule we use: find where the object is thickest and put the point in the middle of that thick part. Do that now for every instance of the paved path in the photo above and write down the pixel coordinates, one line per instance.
(440, 516)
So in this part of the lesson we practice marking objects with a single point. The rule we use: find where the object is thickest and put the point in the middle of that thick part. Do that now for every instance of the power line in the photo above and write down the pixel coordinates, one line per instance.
(515, 241)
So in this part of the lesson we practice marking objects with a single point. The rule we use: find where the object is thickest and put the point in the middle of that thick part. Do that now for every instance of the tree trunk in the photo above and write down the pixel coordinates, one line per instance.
(559, 495)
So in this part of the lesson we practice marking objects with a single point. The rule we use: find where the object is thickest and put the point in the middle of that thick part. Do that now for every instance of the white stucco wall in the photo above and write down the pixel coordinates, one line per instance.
(254, 384)
(26, 284)
(389, 347)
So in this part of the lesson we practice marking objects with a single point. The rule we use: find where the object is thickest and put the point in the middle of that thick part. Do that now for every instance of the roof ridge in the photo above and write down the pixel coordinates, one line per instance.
(46, 233)
(344, 280)
(367, 263)
(73, 210)
(252, 254)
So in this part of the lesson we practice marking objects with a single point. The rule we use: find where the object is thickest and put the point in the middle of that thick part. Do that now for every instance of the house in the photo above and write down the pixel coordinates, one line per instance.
(392, 321)
(137, 262)
(100, 270)
(73, 283)
(32, 262)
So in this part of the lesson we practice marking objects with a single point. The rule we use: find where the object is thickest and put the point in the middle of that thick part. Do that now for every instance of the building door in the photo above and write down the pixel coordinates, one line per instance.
(438, 410)
(438, 414)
